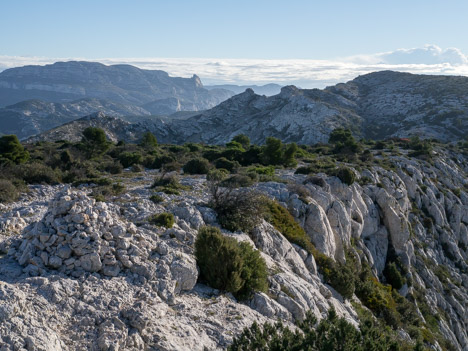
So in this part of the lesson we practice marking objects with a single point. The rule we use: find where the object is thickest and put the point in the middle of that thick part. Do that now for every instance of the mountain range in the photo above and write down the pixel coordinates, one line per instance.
(377, 105)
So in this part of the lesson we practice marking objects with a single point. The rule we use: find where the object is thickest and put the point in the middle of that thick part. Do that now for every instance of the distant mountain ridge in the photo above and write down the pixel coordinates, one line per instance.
(122, 84)
(33, 117)
(377, 105)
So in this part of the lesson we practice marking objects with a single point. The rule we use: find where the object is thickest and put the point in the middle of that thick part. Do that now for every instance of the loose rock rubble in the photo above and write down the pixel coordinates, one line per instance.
(83, 276)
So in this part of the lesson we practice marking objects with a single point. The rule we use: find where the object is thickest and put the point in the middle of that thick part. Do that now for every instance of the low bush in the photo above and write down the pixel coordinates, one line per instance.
(228, 265)
(137, 168)
(237, 181)
(156, 198)
(226, 164)
(11, 150)
(128, 159)
(162, 220)
(197, 166)
(346, 175)
(36, 173)
(263, 170)
(238, 209)
(8, 191)
(331, 334)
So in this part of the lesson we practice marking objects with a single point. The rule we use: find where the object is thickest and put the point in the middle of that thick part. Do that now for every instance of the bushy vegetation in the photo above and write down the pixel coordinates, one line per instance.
(238, 209)
(162, 219)
(11, 150)
(228, 265)
(331, 334)
(346, 175)
(339, 276)
(197, 166)
(8, 191)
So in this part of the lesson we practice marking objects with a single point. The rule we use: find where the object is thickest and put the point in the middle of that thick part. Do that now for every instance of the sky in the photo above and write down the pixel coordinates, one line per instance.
(307, 43)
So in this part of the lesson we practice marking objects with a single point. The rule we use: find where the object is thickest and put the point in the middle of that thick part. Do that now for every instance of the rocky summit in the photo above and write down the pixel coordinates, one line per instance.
(378, 105)
(79, 273)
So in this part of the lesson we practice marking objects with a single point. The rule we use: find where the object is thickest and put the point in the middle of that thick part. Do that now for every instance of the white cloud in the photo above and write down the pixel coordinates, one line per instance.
(429, 55)
(305, 73)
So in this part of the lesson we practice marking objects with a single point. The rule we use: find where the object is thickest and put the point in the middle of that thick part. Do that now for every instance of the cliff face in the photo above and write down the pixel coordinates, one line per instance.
(122, 84)
(74, 269)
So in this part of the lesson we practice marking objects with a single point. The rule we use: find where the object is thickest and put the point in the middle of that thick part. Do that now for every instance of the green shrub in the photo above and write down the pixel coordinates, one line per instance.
(11, 150)
(156, 198)
(197, 166)
(344, 142)
(242, 139)
(393, 276)
(226, 164)
(263, 170)
(8, 191)
(94, 141)
(272, 153)
(149, 141)
(137, 168)
(128, 159)
(160, 161)
(228, 265)
(331, 334)
(346, 175)
(162, 220)
(237, 181)
(284, 222)
(36, 173)
(238, 209)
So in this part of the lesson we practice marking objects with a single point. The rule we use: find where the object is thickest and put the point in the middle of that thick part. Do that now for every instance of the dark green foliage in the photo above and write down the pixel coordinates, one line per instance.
(156, 198)
(128, 159)
(94, 141)
(160, 161)
(235, 145)
(114, 168)
(228, 265)
(149, 141)
(243, 140)
(168, 184)
(192, 147)
(284, 222)
(331, 334)
(263, 170)
(346, 175)
(237, 181)
(226, 164)
(289, 156)
(162, 220)
(65, 157)
(137, 168)
(11, 150)
(393, 276)
(273, 151)
(344, 142)
(422, 148)
(238, 209)
(8, 191)
(197, 166)
(36, 173)
(252, 156)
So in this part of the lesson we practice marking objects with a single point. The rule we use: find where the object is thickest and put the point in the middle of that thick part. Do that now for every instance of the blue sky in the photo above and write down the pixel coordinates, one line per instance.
(334, 31)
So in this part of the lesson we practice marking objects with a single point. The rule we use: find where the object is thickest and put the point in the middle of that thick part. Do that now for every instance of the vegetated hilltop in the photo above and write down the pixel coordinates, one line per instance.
(154, 90)
(193, 243)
